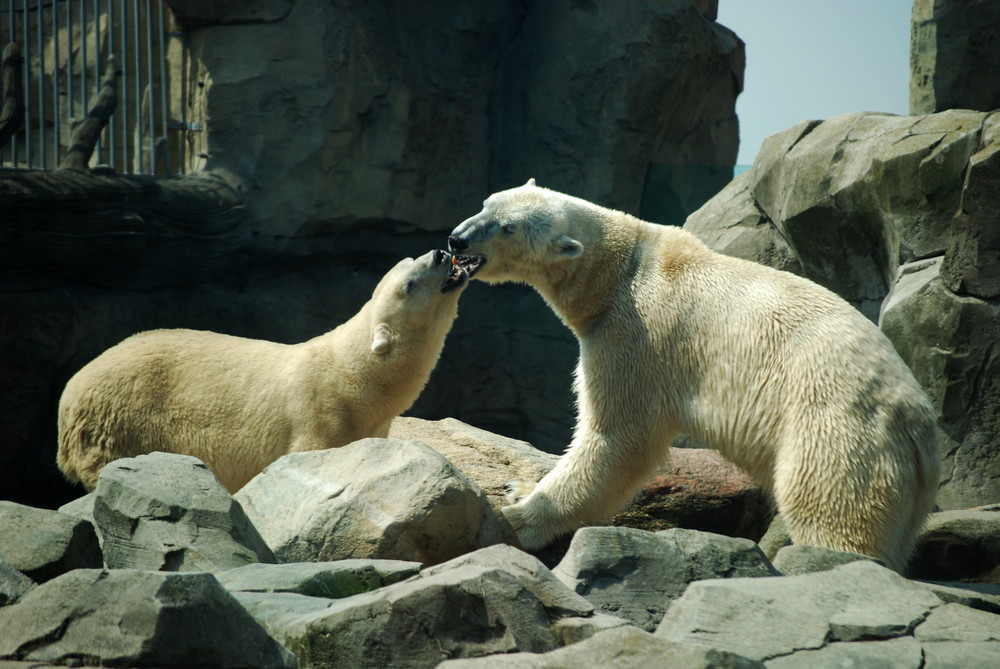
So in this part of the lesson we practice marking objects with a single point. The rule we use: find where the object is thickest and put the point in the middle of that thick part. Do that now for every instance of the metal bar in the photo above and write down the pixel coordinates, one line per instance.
(123, 87)
(149, 88)
(56, 104)
(42, 148)
(12, 30)
(182, 143)
(137, 70)
(164, 83)
(112, 132)
(69, 58)
(26, 76)
(98, 64)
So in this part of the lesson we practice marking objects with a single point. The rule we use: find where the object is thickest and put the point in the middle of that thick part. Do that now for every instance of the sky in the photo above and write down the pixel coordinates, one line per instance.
(813, 59)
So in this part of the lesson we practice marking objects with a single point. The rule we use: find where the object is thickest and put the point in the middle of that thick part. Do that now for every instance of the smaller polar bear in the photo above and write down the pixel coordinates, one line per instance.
(783, 377)
(240, 404)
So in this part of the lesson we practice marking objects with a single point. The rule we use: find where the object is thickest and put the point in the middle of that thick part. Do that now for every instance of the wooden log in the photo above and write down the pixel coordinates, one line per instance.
(87, 134)
(12, 111)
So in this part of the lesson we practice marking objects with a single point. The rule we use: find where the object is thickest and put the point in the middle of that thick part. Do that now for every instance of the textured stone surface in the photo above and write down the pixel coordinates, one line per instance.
(700, 490)
(622, 648)
(13, 584)
(43, 544)
(636, 574)
(954, 55)
(859, 612)
(331, 580)
(960, 546)
(136, 618)
(168, 512)
(792, 560)
(375, 498)
(497, 600)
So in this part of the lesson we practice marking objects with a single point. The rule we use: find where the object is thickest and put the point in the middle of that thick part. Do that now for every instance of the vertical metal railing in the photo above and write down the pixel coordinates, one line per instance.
(65, 44)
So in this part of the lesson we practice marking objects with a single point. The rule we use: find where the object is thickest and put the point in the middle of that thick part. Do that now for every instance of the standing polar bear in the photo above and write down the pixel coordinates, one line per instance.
(783, 377)
(240, 404)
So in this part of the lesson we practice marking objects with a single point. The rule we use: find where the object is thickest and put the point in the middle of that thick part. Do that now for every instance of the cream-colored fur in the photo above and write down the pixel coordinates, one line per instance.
(782, 376)
(239, 404)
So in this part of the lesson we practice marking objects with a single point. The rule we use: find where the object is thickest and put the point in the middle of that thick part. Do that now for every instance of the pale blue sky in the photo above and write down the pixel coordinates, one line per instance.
(813, 59)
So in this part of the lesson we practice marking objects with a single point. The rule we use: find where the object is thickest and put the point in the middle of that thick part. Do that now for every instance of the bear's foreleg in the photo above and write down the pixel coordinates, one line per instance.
(596, 477)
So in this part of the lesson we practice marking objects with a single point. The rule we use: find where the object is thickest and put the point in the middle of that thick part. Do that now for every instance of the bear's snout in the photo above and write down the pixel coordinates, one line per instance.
(456, 244)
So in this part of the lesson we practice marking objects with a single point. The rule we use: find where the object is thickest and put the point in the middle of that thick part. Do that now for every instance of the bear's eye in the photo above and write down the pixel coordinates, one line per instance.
(408, 286)
(508, 228)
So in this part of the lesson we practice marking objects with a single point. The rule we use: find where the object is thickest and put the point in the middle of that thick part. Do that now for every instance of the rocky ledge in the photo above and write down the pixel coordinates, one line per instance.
(391, 553)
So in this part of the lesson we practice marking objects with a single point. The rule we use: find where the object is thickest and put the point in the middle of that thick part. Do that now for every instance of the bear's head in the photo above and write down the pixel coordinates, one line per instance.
(518, 233)
(418, 298)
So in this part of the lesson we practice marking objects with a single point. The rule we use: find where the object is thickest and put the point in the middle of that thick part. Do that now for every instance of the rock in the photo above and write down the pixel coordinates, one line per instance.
(489, 460)
(954, 56)
(792, 560)
(375, 498)
(13, 584)
(42, 544)
(136, 618)
(852, 197)
(635, 574)
(960, 546)
(859, 612)
(576, 628)
(623, 648)
(168, 512)
(497, 600)
(332, 580)
(776, 538)
(196, 13)
(82, 508)
(947, 340)
(700, 490)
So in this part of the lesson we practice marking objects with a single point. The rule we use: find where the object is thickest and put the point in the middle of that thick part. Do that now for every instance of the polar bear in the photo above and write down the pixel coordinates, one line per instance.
(783, 377)
(240, 404)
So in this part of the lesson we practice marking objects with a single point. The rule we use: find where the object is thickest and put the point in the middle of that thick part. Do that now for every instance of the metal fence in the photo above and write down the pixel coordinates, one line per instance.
(65, 44)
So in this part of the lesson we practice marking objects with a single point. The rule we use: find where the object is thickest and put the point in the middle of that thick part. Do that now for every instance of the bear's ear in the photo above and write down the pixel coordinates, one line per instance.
(568, 248)
(381, 339)
(531, 182)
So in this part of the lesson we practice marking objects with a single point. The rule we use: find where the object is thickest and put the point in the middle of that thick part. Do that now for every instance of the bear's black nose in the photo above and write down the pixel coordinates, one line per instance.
(438, 256)
(457, 244)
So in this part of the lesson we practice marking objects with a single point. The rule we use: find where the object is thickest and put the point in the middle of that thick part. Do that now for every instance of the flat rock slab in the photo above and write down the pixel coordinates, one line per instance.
(373, 499)
(636, 574)
(496, 600)
(42, 544)
(824, 618)
(136, 618)
(168, 512)
(332, 580)
(792, 560)
(622, 648)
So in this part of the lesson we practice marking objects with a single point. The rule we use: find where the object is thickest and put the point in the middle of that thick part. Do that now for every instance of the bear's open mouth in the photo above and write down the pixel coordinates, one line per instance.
(462, 269)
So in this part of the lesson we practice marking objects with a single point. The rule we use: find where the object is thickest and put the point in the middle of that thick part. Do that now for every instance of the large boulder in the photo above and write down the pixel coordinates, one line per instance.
(168, 512)
(635, 574)
(858, 613)
(954, 55)
(960, 546)
(43, 544)
(136, 618)
(375, 498)
(331, 580)
(496, 600)
(13, 584)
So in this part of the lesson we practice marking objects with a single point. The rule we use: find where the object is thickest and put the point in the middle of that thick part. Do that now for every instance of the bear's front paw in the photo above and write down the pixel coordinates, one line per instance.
(515, 491)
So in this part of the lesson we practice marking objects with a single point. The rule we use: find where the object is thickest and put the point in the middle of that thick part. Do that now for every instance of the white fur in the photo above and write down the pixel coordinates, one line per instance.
(240, 404)
(782, 376)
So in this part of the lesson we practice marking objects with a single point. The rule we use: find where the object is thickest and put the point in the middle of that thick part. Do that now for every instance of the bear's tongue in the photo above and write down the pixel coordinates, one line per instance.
(462, 269)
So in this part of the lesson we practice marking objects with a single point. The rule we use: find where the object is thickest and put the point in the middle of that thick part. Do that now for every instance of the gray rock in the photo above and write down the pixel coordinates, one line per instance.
(13, 584)
(498, 600)
(776, 537)
(42, 544)
(168, 512)
(577, 628)
(82, 508)
(623, 648)
(635, 574)
(954, 56)
(136, 618)
(954, 622)
(792, 560)
(961, 655)
(902, 653)
(766, 618)
(375, 498)
(960, 546)
(318, 579)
